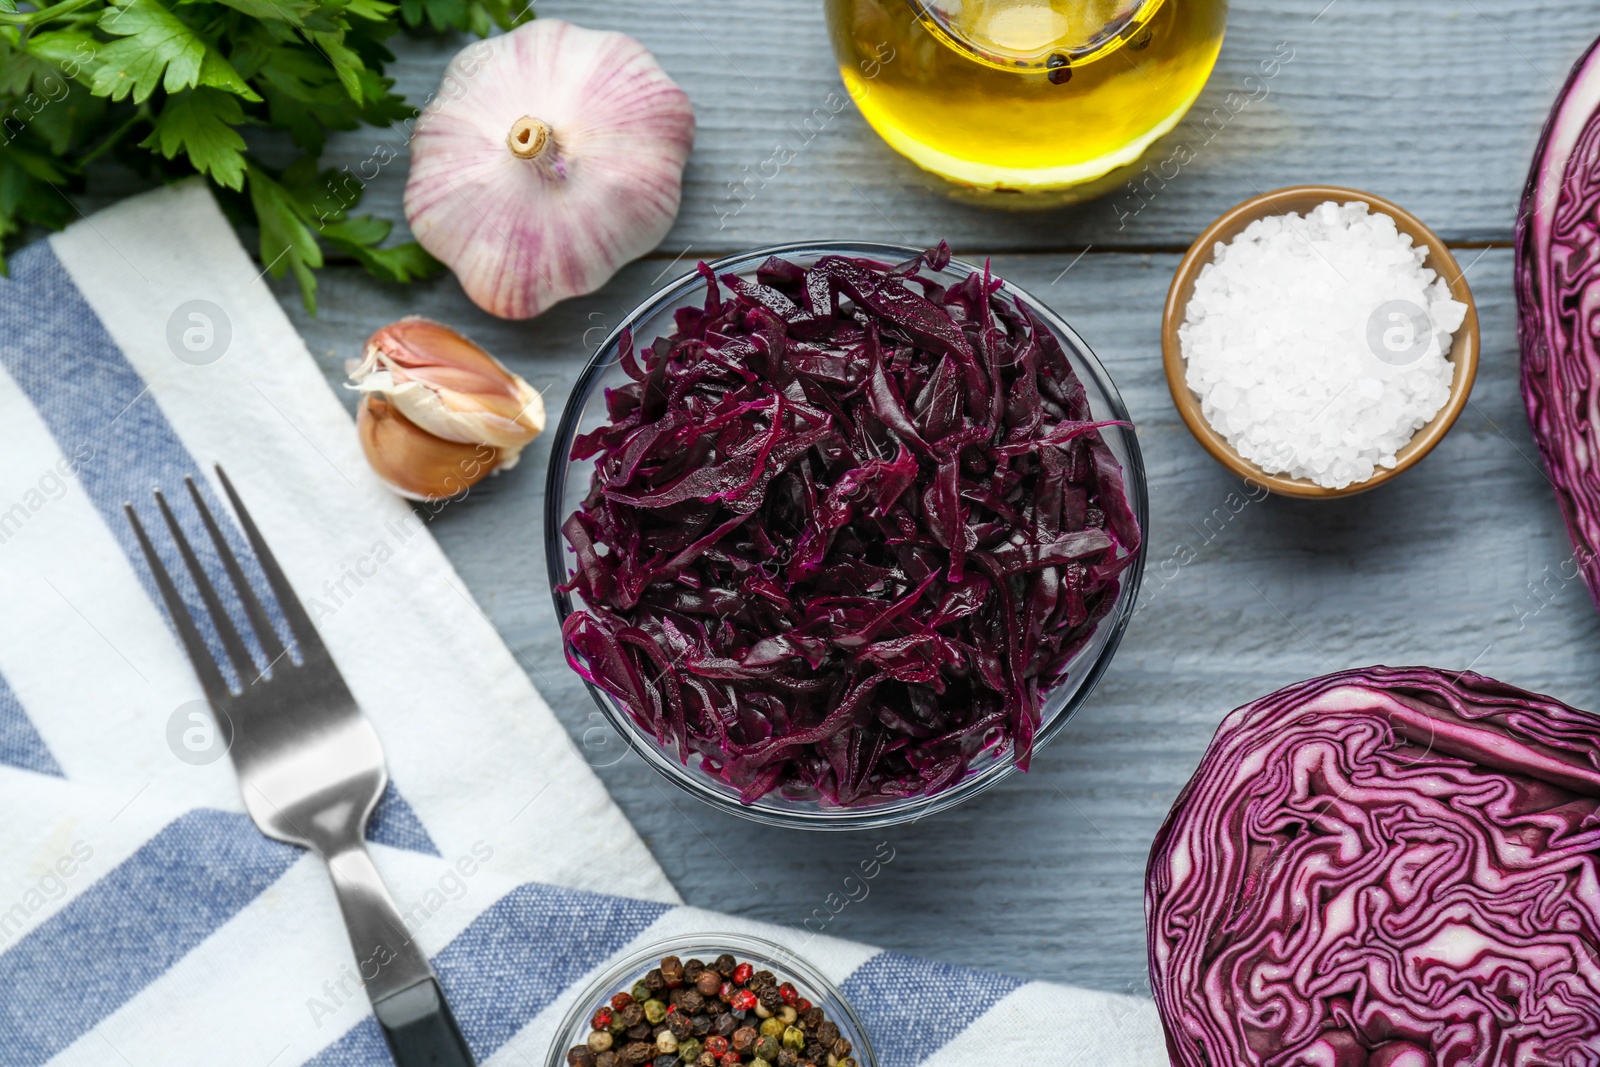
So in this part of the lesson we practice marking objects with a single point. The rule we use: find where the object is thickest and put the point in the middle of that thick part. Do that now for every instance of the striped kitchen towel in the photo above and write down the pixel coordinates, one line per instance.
(143, 920)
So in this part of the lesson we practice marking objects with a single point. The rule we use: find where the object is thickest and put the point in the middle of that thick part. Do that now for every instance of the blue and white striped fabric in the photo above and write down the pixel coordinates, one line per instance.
(143, 920)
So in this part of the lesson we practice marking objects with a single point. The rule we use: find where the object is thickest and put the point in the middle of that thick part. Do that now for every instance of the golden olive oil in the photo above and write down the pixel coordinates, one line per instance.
(1024, 94)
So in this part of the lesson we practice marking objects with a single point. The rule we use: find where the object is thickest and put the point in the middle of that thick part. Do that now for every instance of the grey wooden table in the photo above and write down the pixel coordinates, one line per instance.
(1435, 104)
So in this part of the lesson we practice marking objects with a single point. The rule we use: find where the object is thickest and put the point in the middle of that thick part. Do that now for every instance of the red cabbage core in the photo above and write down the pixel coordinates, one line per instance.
(1384, 868)
(846, 526)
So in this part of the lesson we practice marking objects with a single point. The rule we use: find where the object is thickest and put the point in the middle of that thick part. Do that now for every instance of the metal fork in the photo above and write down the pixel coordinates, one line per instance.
(310, 769)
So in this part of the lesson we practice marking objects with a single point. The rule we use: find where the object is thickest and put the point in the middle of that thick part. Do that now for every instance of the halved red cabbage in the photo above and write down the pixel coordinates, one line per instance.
(1384, 868)
(846, 526)
(1558, 299)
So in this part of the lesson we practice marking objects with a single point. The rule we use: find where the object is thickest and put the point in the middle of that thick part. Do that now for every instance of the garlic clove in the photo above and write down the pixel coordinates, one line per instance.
(438, 413)
(450, 387)
(413, 462)
(551, 156)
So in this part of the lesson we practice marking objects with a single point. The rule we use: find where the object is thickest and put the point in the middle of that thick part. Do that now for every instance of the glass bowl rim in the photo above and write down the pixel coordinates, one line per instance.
(910, 809)
(749, 945)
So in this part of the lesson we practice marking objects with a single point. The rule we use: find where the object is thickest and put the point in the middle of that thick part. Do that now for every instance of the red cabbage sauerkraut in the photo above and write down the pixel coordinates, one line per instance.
(847, 525)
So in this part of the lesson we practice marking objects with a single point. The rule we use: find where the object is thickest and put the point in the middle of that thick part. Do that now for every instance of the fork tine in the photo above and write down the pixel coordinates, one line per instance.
(265, 632)
(305, 635)
(244, 665)
(211, 680)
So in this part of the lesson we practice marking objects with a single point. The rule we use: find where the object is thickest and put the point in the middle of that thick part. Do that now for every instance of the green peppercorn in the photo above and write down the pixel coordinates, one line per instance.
(689, 1051)
(655, 1011)
(788, 1015)
(794, 1037)
(848, 1061)
(617, 1024)
(759, 1062)
(641, 992)
(772, 1027)
(767, 1048)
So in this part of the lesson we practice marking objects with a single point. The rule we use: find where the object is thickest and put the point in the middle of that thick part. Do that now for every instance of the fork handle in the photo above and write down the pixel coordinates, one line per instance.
(420, 1030)
(405, 995)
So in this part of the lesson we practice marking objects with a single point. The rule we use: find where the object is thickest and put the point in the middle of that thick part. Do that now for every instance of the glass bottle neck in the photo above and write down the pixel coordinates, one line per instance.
(1035, 34)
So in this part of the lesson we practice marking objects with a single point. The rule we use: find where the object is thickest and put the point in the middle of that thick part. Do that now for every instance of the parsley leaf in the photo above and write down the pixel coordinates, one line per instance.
(287, 242)
(359, 237)
(200, 123)
(157, 50)
(478, 16)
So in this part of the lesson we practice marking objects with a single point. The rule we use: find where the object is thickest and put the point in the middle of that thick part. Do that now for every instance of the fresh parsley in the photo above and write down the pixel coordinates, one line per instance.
(168, 87)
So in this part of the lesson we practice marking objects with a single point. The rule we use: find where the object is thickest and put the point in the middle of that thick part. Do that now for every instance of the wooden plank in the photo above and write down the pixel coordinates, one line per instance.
(1456, 564)
(1435, 104)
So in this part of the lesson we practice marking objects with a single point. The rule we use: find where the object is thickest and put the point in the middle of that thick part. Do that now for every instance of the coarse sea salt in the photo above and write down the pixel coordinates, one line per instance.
(1319, 346)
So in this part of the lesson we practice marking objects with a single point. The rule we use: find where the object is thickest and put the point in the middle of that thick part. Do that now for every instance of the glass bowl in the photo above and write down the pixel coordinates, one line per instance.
(761, 954)
(569, 483)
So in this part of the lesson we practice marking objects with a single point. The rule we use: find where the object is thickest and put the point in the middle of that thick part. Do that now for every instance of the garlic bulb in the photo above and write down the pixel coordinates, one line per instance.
(439, 413)
(551, 156)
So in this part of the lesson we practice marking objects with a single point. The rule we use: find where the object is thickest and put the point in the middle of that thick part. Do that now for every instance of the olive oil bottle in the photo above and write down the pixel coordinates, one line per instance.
(1025, 94)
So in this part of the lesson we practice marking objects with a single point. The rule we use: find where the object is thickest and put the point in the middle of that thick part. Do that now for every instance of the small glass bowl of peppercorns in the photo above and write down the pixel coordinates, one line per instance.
(712, 1002)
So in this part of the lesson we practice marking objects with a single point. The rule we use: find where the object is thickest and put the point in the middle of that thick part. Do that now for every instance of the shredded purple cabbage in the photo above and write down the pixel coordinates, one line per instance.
(847, 526)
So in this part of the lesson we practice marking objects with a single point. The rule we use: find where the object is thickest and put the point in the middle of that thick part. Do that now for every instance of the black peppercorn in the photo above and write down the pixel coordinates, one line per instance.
(672, 971)
(725, 965)
(702, 1025)
(607, 1059)
(640, 1032)
(788, 1058)
(665, 1060)
(680, 1025)
(814, 1050)
(827, 1033)
(580, 1056)
(811, 1018)
(632, 1015)
(725, 1024)
(638, 1052)
(654, 982)
(692, 969)
(770, 998)
(842, 1047)
(743, 1039)
(763, 978)
(708, 983)
(690, 1001)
